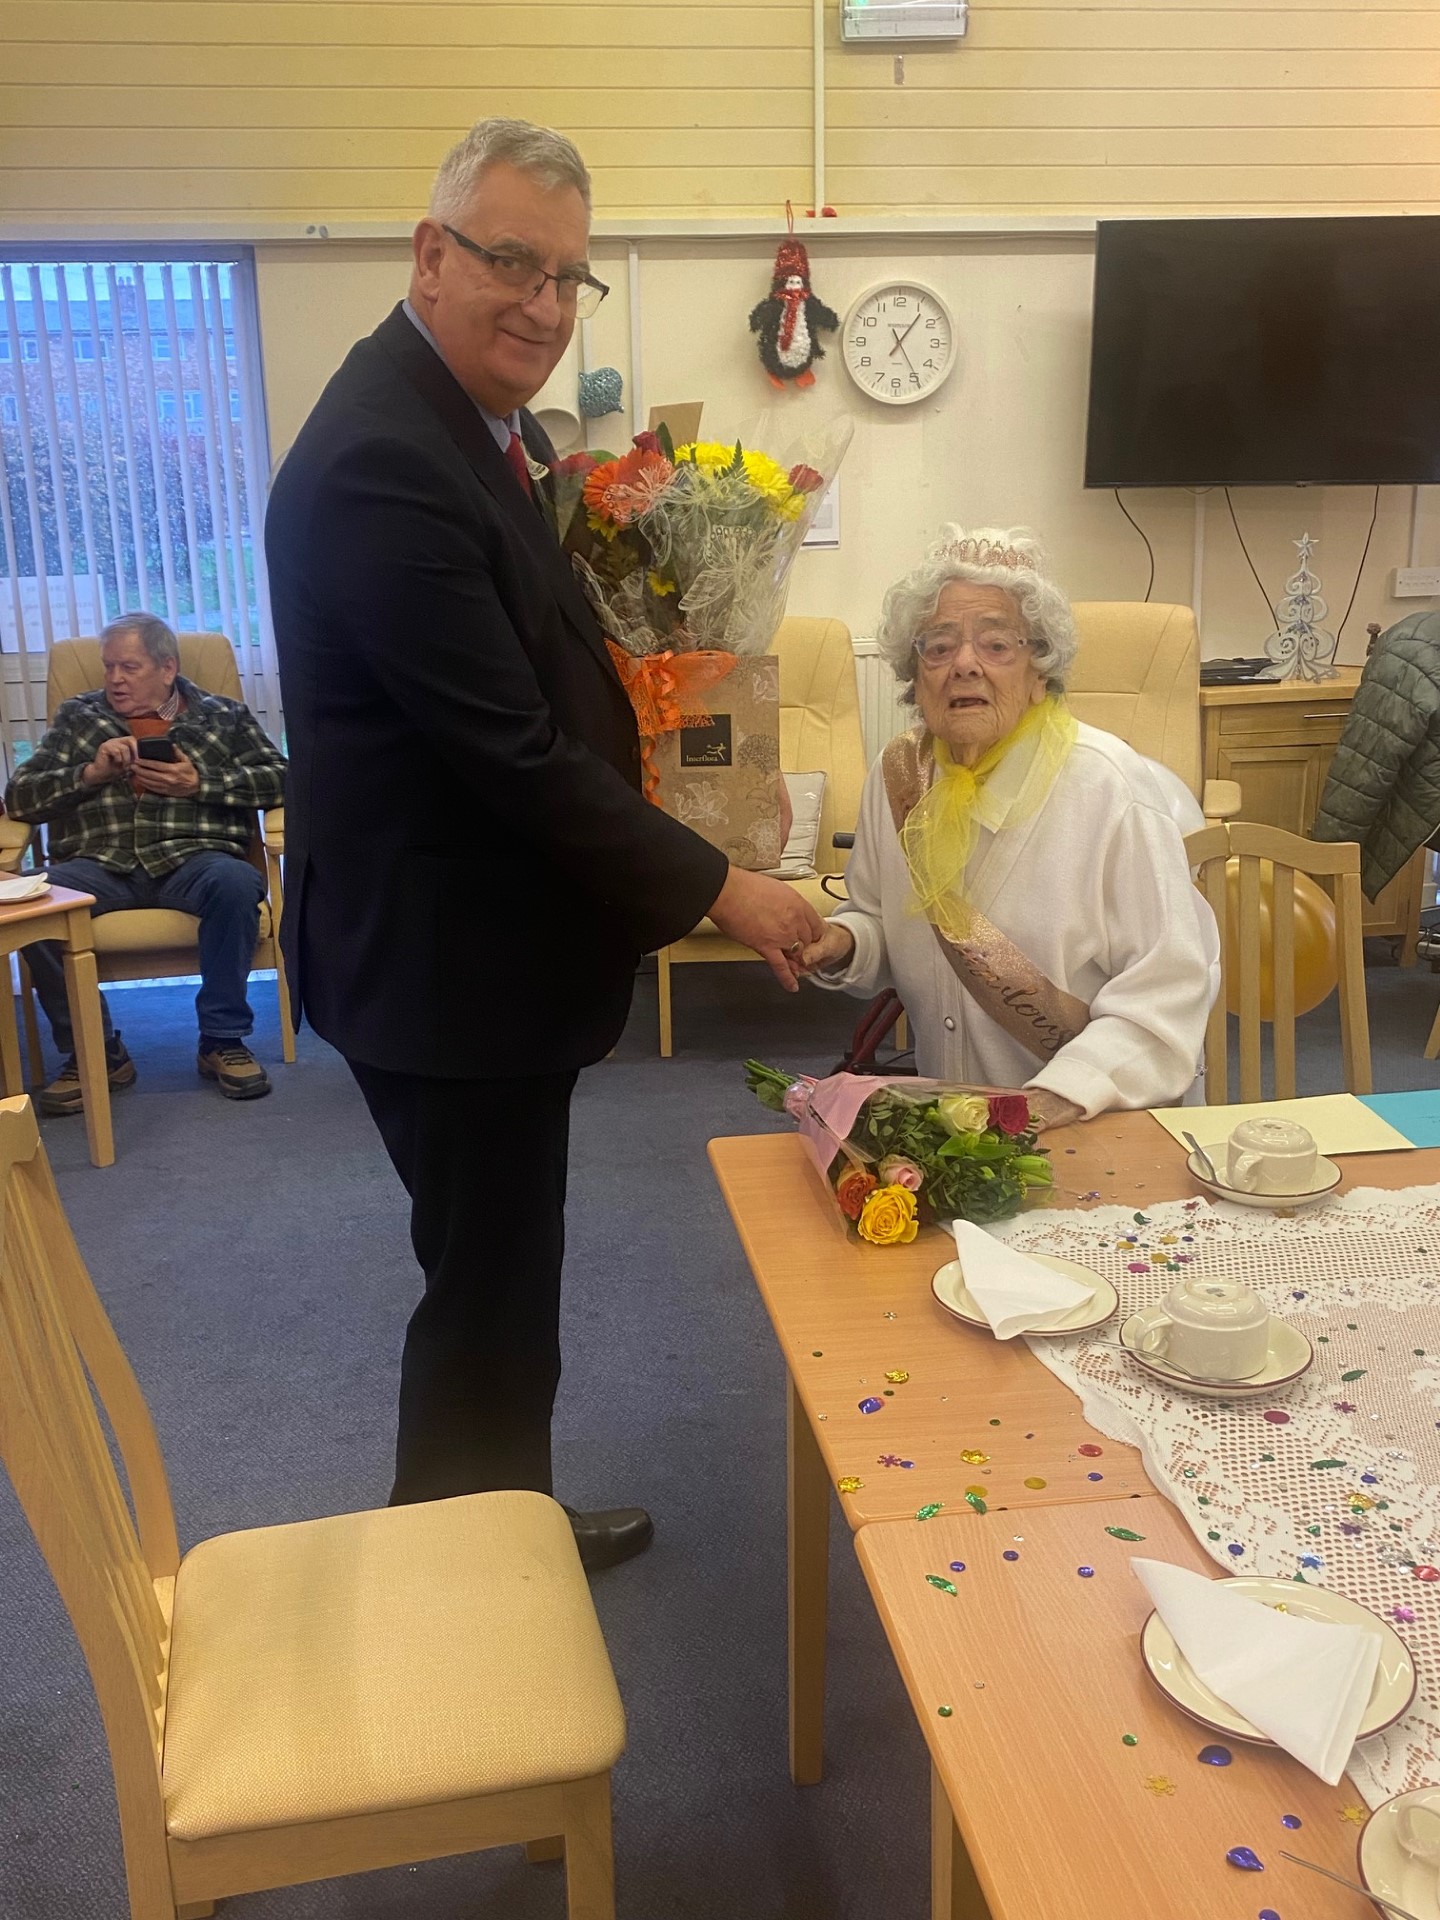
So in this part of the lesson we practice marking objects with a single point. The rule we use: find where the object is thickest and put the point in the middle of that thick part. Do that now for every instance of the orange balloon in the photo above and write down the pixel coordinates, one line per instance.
(1316, 967)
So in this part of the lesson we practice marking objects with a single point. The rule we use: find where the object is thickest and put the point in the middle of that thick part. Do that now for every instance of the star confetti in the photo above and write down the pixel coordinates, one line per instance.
(897, 1376)
(973, 1457)
(852, 1483)
(1355, 1816)
(1159, 1785)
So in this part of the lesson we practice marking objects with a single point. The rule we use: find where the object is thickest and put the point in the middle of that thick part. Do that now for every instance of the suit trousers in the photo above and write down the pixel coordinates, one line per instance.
(484, 1163)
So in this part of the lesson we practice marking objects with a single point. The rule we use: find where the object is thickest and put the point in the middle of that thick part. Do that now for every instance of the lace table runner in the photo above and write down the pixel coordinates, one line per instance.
(1335, 1481)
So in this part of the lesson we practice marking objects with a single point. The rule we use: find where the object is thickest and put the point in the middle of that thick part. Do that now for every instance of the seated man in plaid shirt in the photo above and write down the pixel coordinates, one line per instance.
(155, 833)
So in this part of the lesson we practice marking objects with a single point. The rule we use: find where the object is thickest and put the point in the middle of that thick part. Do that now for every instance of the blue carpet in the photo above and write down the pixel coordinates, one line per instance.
(255, 1261)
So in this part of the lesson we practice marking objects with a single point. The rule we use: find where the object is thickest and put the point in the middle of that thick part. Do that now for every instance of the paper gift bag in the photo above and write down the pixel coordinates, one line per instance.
(719, 770)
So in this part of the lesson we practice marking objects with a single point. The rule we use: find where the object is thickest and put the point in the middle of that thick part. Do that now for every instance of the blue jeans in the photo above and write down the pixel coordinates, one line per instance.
(221, 890)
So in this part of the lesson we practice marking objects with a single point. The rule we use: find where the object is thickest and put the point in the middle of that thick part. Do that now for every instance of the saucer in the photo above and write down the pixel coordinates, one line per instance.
(955, 1297)
(1290, 1355)
(1383, 1865)
(15, 887)
(1329, 1173)
(1390, 1696)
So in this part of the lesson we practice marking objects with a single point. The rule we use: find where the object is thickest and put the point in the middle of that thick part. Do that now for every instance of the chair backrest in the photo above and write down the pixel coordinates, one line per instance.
(1137, 674)
(206, 658)
(820, 728)
(58, 1353)
(1336, 866)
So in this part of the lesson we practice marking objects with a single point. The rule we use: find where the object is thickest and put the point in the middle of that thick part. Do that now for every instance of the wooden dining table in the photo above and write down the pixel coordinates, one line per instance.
(971, 1424)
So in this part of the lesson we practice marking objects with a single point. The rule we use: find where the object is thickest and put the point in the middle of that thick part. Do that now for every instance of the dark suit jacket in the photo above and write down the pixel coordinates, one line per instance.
(471, 873)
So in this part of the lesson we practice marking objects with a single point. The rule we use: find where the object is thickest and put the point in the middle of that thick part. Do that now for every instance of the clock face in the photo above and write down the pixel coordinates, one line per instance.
(898, 342)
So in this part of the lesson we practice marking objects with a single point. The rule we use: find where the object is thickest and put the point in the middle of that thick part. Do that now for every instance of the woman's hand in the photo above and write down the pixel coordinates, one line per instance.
(1051, 1109)
(835, 948)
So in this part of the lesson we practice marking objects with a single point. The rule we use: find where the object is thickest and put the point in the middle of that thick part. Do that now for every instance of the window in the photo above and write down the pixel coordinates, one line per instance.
(122, 485)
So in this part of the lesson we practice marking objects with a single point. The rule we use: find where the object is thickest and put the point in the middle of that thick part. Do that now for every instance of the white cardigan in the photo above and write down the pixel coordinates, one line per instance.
(1095, 889)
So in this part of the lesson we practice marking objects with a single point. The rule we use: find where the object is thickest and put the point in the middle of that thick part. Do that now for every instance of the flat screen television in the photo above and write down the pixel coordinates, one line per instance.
(1257, 353)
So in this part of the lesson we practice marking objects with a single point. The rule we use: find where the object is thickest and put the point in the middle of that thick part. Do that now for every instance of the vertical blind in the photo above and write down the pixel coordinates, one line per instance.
(133, 465)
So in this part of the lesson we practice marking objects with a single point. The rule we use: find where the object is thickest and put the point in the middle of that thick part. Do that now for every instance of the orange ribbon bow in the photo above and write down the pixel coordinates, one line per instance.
(665, 690)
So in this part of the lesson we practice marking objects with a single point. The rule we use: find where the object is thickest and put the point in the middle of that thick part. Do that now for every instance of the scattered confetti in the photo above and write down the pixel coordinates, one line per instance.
(957, 1566)
(944, 1712)
(818, 1354)
(1123, 1533)
(1354, 1816)
(1094, 1476)
(852, 1483)
(1320, 1465)
(1086, 1573)
(1268, 1913)
(1405, 1615)
(1159, 1785)
(1090, 1450)
(871, 1405)
(1236, 1548)
(1277, 1416)
(994, 1423)
(974, 1501)
(1009, 1554)
(1343, 1406)
(1129, 1740)
(1246, 1859)
(1355, 1373)
(973, 1457)
(897, 1376)
(1426, 1573)
(939, 1580)
(929, 1512)
(1291, 1820)
(1214, 1756)
(1035, 1483)
(979, 1685)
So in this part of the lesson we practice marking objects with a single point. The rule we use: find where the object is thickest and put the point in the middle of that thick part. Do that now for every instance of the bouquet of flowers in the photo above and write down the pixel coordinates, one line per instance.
(905, 1153)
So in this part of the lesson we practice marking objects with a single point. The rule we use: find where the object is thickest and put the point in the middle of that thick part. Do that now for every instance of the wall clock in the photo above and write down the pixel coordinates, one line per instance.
(898, 342)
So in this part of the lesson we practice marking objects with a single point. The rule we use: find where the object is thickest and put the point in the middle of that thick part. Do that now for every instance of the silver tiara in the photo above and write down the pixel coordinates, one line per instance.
(984, 553)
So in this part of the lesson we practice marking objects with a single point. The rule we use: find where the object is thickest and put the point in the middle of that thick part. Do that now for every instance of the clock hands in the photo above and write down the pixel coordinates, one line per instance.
(901, 338)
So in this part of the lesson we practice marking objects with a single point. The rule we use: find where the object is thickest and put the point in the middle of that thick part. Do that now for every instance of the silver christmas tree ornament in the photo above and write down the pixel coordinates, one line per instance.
(1300, 646)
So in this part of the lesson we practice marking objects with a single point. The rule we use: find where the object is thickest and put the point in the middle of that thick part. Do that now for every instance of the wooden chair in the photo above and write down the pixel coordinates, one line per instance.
(295, 1702)
(1336, 865)
(1137, 674)
(151, 943)
(1432, 1045)
(820, 732)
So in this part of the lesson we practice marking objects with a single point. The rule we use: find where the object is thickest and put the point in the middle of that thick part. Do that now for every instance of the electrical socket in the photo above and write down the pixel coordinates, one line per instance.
(1416, 583)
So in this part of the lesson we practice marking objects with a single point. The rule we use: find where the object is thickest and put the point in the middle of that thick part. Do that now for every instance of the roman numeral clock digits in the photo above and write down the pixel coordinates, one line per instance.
(898, 342)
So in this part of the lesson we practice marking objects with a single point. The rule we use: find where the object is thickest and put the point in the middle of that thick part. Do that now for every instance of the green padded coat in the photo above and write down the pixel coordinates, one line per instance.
(1384, 783)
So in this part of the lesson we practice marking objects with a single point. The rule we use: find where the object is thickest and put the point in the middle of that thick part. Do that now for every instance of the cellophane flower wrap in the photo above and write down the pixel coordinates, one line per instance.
(903, 1153)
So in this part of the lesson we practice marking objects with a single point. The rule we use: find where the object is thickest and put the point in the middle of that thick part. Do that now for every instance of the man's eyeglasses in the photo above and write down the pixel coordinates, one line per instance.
(994, 646)
(578, 293)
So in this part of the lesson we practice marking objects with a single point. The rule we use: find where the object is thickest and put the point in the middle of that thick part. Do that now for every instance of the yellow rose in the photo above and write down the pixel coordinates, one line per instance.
(965, 1112)
(887, 1218)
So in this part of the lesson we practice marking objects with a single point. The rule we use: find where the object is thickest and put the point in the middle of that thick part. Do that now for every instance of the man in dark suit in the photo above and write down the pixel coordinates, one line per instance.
(464, 789)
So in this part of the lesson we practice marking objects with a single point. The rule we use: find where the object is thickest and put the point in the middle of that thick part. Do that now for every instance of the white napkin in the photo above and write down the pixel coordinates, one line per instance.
(1011, 1289)
(1303, 1682)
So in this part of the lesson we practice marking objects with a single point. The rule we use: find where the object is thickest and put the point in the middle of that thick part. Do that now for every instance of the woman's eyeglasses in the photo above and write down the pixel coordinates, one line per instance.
(995, 646)
(578, 292)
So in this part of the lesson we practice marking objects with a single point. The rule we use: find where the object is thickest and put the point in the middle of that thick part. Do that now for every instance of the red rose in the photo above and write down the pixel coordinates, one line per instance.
(1009, 1113)
(574, 464)
(648, 442)
(851, 1189)
(806, 479)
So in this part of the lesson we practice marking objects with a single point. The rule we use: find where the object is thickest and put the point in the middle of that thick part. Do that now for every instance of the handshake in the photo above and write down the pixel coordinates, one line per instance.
(778, 924)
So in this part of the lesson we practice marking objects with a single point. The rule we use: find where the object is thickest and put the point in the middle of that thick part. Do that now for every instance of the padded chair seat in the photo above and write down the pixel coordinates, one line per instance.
(154, 929)
(301, 1690)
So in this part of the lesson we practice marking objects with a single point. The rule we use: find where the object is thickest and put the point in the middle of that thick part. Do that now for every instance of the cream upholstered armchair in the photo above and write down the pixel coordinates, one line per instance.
(1137, 675)
(820, 732)
(150, 943)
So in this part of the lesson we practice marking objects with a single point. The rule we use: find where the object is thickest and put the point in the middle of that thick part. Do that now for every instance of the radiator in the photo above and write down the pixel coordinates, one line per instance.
(881, 714)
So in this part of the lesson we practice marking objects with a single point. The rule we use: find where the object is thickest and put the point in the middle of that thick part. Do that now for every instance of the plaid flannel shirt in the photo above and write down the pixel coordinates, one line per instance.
(240, 770)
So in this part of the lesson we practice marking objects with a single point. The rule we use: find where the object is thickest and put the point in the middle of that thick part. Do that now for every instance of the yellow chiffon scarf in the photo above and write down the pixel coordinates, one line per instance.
(940, 835)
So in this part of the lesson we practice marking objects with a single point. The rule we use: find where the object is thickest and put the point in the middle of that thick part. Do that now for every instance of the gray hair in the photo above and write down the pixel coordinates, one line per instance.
(1007, 557)
(151, 631)
(547, 156)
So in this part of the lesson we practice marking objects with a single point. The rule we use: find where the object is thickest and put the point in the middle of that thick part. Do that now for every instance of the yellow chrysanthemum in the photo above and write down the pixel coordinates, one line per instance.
(659, 584)
(766, 476)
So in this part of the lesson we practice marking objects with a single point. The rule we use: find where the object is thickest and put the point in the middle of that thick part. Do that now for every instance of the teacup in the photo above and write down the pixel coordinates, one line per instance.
(1215, 1329)
(1417, 1824)
(1271, 1156)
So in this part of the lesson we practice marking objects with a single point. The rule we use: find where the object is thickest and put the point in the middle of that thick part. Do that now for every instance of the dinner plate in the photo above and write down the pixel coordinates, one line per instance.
(1383, 1865)
(15, 887)
(1329, 1178)
(1390, 1696)
(1290, 1355)
(955, 1297)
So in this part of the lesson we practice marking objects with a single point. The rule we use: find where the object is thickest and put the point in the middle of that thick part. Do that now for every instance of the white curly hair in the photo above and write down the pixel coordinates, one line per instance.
(1011, 558)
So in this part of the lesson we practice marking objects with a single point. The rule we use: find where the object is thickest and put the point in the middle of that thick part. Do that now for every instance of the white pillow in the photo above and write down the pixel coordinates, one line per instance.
(807, 796)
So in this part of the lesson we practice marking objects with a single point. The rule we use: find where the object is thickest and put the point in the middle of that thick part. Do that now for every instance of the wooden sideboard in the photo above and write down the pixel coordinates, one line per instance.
(1277, 741)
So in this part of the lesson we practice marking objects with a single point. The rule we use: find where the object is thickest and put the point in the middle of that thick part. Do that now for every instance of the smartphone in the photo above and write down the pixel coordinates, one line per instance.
(158, 748)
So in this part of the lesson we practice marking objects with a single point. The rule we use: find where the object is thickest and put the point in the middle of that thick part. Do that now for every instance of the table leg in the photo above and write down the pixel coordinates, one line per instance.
(82, 990)
(14, 1073)
(808, 1521)
(954, 1891)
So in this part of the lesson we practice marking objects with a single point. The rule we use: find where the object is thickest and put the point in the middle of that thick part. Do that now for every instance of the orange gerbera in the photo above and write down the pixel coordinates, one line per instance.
(620, 491)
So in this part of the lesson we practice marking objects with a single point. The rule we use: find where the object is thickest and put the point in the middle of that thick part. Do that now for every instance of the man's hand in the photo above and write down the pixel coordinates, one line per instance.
(834, 948)
(113, 761)
(179, 778)
(771, 918)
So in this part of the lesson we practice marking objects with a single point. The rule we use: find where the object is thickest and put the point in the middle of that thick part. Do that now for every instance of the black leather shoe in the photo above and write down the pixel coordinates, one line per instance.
(611, 1535)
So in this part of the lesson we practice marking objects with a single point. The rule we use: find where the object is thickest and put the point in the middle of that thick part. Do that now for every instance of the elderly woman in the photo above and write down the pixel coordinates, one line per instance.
(1018, 877)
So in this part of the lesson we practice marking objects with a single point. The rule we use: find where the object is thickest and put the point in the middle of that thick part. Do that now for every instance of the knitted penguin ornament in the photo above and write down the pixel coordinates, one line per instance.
(790, 320)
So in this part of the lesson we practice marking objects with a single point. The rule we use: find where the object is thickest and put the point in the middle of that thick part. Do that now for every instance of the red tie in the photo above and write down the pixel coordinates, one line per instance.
(515, 459)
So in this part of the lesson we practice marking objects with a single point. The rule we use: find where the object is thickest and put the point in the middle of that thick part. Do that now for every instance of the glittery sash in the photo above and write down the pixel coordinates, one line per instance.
(1006, 985)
